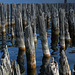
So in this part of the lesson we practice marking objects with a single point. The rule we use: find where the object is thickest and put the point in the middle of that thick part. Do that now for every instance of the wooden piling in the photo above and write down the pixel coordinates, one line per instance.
(21, 60)
(6, 20)
(45, 62)
(62, 31)
(67, 35)
(12, 14)
(55, 21)
(64, 66)
(24, 16)
(19, 30)
(0, 15)
(52, 68)
(8, 67)
(30, 48)
(71, 22)
(2, 19)
(8, 14)
(34, 24)
(43, 36)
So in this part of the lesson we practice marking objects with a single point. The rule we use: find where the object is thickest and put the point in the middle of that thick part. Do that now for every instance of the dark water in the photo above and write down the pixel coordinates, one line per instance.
(36, 1)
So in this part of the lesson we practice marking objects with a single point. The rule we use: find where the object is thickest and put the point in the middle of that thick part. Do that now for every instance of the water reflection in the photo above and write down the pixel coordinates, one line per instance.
(45, 62)
(54, 40)
(31, 72)
(21, 60)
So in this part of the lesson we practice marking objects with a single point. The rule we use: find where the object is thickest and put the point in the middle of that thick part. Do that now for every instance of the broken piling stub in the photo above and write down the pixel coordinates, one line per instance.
(64, 66)
(7, 67)
(52, 68)
(43, 36)
(30, 48)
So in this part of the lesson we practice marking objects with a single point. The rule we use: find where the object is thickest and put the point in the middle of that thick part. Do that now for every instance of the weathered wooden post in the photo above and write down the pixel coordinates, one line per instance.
(67, 35)
(12, 14)
(54, 40)
(0, 15)
(24, 16)
(55, 21)
(8, 17)
(52, 68)
(21, 60)
(8, 14)
(43, 36)
(2, 19)
(12, 33)
(34, 23)
(19, 30)
(64, 66)
(30, 48)
(72, 25)
(62, 31)
(7, 67)
(6, 20)
(45, 62)
(71, 22)
(12, 19)
(48, 18)
(3, 41)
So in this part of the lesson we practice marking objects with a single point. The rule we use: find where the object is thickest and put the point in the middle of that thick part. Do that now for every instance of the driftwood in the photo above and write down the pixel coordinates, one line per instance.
(7, 67)
(64, 66)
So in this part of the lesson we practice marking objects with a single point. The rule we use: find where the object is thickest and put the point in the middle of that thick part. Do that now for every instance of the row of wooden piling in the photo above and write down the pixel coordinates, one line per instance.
(22, 20)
